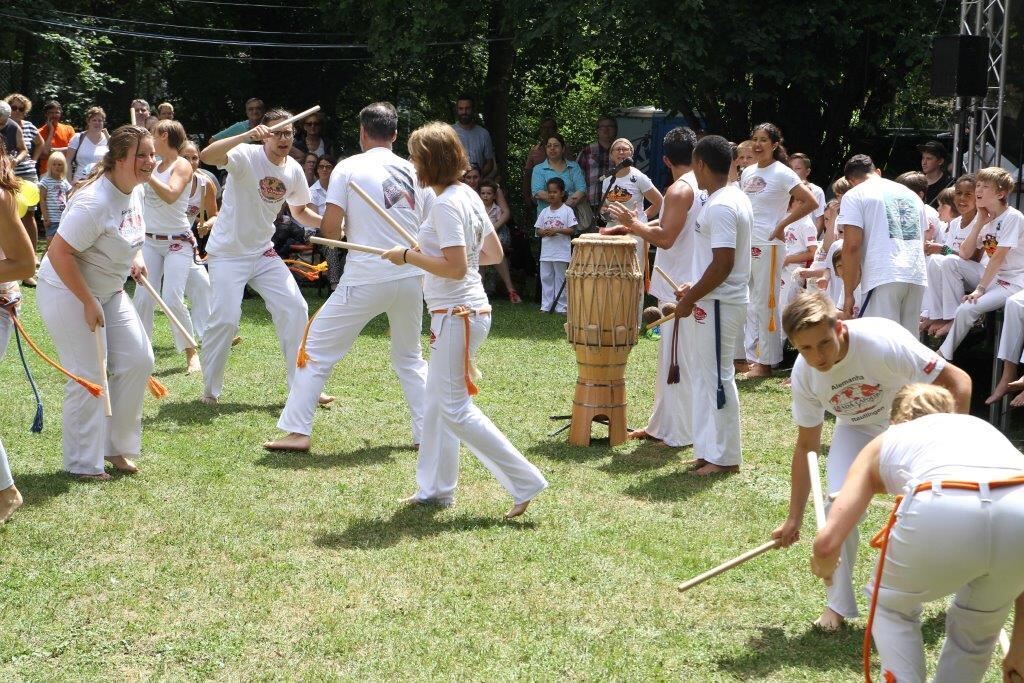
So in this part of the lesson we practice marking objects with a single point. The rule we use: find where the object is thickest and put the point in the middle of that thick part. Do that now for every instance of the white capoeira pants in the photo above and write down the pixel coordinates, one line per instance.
(672, 416)
(335, 328)
(847, 442)
(967, 314)
(897, 301)
(763, 346)
(931, 305)
(6, 479)
(90, 436)
(6, 328)
(451, 417)
(170, 265)
(200, 295)
(716, 427)
(1011, 340)
(957, 277)
(269, 276)
(950, 542)
(552, 279)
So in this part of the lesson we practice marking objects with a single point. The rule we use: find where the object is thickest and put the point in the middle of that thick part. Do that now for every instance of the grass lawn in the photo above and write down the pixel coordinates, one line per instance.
(220, 560)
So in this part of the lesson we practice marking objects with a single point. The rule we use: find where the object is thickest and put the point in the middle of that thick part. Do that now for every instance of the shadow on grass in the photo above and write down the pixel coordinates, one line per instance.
(37, 488)
(194, 411)
(322, 461)
(558, 448)
(649, 456)
(673, 486)
(771, 649)
(409, 522)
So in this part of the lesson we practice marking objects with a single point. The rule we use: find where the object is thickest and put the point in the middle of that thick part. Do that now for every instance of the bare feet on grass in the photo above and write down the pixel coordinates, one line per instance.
(709, 469)
(758, 370)
(209, 400)
(291, 442)
(325, 400)
(122, 464)
(517, 510)
(192, 365)
(10, 500)
(830, 621)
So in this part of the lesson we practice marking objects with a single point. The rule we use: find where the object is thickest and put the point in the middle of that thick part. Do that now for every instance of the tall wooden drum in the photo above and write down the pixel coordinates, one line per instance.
(604, 282)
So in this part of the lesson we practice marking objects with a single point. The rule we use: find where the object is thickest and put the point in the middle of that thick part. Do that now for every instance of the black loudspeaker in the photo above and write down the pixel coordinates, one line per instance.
(959, 66)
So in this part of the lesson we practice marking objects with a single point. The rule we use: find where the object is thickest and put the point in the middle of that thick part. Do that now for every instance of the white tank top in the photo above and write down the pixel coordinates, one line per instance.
(677, 261)
(163, 218)
(196, 193)
(942, 447)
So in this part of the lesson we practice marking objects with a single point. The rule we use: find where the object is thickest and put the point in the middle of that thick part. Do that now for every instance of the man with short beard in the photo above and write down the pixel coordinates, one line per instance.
(475, 139)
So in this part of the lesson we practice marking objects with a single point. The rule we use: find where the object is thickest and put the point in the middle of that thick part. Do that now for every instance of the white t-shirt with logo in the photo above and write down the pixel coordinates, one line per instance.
(893, 220)
(1005, 231)
(677, 260)
(956, 233)
(458, 218)
(628, 190)
(768, 189)
(105, 226)
(725, 221)
(555, 247)
(881, 359)
(800, 235)
(932, 448)
(253, 195)
(391, 182)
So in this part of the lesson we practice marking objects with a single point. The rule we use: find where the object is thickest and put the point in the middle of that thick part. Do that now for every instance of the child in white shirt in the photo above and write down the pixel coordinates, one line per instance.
(554, 225)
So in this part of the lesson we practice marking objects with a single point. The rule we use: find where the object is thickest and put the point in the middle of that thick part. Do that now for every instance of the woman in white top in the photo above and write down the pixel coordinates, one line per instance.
(456, 239)
(88, 147)
(17, 261)
(83, 304)
(169, 250)
(779, 199)
(956, 531)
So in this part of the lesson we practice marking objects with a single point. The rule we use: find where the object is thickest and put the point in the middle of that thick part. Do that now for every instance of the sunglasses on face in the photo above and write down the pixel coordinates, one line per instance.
(325, 167)
(17, 107)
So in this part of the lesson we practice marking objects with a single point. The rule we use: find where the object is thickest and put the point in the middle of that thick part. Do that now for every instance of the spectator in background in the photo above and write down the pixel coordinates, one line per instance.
(557, 166)
(933, 165)
(143, 116)
(254, 110)
(10, 131)
(801, 165)
(26, 167)
(475, 139)
(310, 137)
(54, 189)
(318, 202)
(165, 111)
(489, 191)
(56, 135)
(537, 154)
(595, 159)
(89, 146)
(309, 162)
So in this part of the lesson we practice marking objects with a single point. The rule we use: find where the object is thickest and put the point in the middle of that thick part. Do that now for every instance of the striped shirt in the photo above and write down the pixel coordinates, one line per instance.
(27, 168)
(57, 190)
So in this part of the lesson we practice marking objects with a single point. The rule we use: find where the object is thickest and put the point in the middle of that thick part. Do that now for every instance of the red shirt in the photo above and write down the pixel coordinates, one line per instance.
(61, 138)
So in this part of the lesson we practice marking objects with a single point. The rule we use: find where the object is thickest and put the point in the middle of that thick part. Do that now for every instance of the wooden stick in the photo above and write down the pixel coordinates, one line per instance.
(346, 245)
(383, 214)
(102, 358)
(131, 115)
(670, 281)
(170, 316)
(659, 321)
(726, 566)
(287, 122)
(819, 503)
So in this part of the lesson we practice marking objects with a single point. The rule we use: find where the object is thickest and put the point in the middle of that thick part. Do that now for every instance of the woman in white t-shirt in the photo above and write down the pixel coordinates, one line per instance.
(83, 304)
(779, 199)
(455, 240)
(88, 147)
(318, 203)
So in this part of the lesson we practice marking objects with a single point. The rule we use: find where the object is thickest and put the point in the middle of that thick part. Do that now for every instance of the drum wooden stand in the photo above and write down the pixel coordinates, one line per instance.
(604, 283)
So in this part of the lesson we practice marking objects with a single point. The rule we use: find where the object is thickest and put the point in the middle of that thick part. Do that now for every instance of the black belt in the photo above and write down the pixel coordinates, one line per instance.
(163, 238)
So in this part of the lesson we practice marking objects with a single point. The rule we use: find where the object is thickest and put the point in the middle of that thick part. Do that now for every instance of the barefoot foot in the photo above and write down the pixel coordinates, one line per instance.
(192, 365)
(757, 370)
(209, 400)
(830, 621)
(638, 434)
(10, 500)
(94, 477)
(709, 469)
(415, 499)
(517, 510)
(997, 394)
(291, 442)
(236, 341)
(122, 464)
(325, 400)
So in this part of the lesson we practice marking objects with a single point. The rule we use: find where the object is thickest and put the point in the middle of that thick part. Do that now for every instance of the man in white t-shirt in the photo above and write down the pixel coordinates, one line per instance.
(883, 226)
(852, 369)
(369, 286)
(671, 419)
(717, 300)
(260, 180)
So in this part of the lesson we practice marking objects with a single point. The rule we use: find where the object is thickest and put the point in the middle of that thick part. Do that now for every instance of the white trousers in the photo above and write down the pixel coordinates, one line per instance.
(791, 286)
(847, 442)
(762, 346)
(200, 295)
(89, 436)
(931, 305)
(716, 429)
(169, 263)
(451, 417)
(898, 301)
(269, 276)
(672, 416)
(950, 542)
(334, 330)
(1011, 340)
(967, 314)
(6, 480)
(552, 278)
(957, 277)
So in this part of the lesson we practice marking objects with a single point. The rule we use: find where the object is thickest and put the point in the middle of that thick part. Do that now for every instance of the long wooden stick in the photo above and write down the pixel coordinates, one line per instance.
(102, 358)
(383, 214)
(131, 115)
(659, 321)
(819, 503)
(287, 122)
(670, 281)
(346, 245)
(726, 566)
(170, 316)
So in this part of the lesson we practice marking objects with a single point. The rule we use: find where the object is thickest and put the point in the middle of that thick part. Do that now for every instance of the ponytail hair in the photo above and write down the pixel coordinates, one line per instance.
(775, 135)
(121, 143)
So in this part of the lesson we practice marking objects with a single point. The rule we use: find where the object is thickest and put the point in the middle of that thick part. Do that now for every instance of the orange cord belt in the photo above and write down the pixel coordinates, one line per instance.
(881, 541)
(469, 369)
